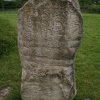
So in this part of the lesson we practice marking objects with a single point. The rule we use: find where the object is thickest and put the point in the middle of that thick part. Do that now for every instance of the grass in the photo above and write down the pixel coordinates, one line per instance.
(87, 59)
(10, 69)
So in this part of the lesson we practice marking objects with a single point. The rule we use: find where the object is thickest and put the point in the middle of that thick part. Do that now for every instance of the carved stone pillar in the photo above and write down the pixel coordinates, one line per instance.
(49, 35)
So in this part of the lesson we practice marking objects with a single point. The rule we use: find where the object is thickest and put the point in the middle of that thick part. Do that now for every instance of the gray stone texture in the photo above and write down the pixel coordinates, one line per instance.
(49, 35)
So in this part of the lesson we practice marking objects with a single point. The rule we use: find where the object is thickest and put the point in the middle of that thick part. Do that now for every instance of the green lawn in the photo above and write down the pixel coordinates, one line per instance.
(87, 59)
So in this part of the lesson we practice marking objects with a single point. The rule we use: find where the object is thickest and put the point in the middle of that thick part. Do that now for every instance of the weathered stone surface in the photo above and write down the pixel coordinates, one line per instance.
(49, 35)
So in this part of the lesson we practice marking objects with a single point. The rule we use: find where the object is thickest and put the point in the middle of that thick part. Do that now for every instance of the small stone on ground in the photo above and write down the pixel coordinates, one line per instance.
(4, 92)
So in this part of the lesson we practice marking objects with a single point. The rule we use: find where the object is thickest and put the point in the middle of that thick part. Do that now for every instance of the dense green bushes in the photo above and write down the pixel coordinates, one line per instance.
(7, 37)
(86, 5)
(95, 8)
(92, 6)
(11, 5)
(14, 4)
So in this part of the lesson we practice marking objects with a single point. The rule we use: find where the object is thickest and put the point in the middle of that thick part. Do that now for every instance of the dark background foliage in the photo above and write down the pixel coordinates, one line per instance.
(86, 5)
(90, 5)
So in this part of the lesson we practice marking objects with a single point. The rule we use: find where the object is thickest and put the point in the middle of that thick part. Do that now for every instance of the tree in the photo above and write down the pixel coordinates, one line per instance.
(97, 2)
(18, 3)
(2, 4)
(85, 3)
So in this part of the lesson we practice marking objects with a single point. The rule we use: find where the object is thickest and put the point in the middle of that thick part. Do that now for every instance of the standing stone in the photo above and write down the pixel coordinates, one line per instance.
(49, 35)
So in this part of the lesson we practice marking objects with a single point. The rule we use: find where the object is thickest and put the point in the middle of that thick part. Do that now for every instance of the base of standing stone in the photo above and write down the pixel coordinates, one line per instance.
(49, 83)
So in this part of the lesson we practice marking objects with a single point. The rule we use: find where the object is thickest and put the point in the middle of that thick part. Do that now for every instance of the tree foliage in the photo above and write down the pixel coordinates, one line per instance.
(14, 4)
(2, 4)
(89, 2)
(88, 5)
